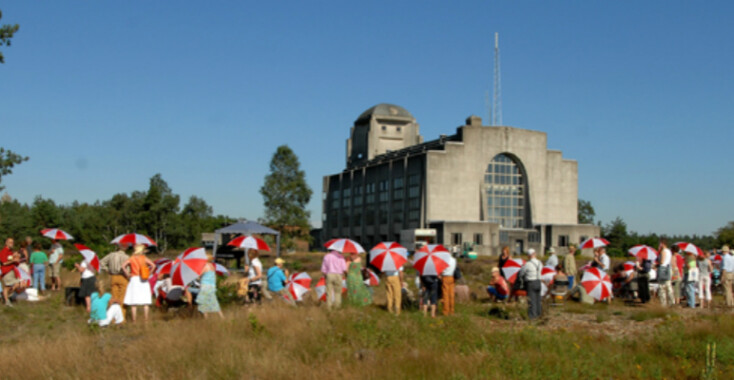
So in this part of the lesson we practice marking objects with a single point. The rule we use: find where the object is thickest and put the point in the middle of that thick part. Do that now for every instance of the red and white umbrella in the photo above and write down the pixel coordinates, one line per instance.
(89, 256)
(298, 284)
(629, 267)
(585, 267)
(372, 279)
(161, 261)
(56, 234)
(249, 242)
(23, 277)
(321, 288)
(547, 274)
(644, 251)
(388, 256)
(133, 239)
(597, 284)
(543, 289)
(431, 260)
(344, 246)
(716, 258)
(221, 269)
(164, 267)
(188, 266)
(690, 248)
(594, 243)
(511, 268)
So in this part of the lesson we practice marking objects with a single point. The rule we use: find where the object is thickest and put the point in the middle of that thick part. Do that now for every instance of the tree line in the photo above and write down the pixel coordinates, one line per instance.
(156, 212)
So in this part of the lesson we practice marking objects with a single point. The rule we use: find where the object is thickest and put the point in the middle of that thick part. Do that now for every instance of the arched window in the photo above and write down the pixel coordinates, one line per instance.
(506, 193)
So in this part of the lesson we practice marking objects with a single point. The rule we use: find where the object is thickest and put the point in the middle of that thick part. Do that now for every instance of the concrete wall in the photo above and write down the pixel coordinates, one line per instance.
(455, 176)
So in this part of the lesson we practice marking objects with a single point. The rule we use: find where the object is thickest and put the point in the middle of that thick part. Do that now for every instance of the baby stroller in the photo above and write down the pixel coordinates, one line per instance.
(716, 285)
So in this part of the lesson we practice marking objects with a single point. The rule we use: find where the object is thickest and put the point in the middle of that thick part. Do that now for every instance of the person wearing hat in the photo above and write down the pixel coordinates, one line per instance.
(552, 258)
(569, 265)
(277, 279)
(531, 273)
(727, 274)
(138, 269)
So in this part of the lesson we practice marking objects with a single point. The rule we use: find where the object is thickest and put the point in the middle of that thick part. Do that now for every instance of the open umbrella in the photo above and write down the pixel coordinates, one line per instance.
(547, 274)
(597, 284)
(388, 256)
(89, 256)
(161, 261)
(431, 260)
(321, 288)
(298, 284)
(716, 258)
(372, 279)
(23, 277)
(594, 243)
(690, 248)
(511, 268)
(643, 251)
(344, 246)
(629, 267)
(221, 270)
(165, 268)
(133, 239)
(56, 234)
(249, 242)
(188, 266)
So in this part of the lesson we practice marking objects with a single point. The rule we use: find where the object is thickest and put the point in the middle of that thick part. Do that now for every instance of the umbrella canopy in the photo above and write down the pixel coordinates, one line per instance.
(133, 239)
(188, 266)
(547, 274)
(644, 251)
(597, 284)
(629, 267)
(56, 234)
(594, 243)
(431, 260)
(23, 276)
(90, 257)
(716, 258)
(511, 268)
(372, 279)
(221, 270)
(344, 246)
(164, 267)
(161, 261)
(690, 248)
(321, 288)
(298, 284)
(388, 256)
(543, 289)
(249, 242)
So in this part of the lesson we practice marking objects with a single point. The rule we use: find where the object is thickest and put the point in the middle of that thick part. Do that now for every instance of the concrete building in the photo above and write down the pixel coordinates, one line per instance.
(488, 186)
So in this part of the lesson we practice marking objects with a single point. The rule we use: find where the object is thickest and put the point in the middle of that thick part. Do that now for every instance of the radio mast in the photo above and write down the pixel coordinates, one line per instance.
(496, 111)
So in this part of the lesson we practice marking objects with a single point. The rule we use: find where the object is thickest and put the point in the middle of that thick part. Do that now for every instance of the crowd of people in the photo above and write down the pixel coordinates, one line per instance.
(673, 276)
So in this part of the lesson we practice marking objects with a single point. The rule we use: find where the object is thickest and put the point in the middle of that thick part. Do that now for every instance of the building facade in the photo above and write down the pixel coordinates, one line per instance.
(486, 186)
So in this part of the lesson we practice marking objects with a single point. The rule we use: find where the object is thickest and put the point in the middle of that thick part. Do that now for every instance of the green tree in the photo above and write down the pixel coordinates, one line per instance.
(8, 159)
(196, 217)
(160, 213)
(586, 212)
(6, 33)
(725, 235)
(286, 195)
(616, 233)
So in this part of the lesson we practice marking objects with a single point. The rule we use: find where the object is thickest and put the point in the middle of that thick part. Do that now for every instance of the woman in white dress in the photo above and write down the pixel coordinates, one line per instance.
(138, 269)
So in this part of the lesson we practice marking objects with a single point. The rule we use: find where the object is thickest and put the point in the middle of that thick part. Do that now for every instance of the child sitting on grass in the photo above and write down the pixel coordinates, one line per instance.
(102, 313)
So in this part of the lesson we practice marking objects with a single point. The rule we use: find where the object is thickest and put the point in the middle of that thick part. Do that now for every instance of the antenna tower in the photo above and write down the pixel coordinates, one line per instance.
(496, 111)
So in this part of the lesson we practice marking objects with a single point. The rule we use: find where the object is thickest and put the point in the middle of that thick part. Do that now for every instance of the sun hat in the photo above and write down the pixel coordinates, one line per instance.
(551, 250)
(725, 249)
(279, 261)
(531, 252)
(495, 269)
(139, 249)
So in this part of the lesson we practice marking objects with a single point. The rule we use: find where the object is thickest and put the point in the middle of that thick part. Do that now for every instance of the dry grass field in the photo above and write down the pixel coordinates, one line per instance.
(49, 340)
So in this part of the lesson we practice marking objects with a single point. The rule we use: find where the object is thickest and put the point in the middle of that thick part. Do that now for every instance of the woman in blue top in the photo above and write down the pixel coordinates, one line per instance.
(39, 260)
(207, 297)
(102, 313)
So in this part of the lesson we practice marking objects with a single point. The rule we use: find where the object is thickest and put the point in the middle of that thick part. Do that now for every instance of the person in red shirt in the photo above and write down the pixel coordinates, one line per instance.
(498, 288)
(8, 261)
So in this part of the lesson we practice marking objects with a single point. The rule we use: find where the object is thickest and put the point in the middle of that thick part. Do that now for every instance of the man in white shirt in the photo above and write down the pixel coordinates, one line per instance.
(727, 274)
(552, 258)
(667, 297)
(447, 287)
(531, 273)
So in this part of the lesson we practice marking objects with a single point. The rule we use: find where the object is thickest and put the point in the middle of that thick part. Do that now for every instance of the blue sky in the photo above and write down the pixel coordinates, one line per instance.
(103, 95)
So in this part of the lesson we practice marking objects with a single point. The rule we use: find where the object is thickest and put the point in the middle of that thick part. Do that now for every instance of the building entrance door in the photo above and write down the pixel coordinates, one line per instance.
(519, 245)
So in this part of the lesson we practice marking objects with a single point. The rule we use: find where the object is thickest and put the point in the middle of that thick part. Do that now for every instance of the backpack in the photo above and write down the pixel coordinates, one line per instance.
(144, 270)
(457, 273)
